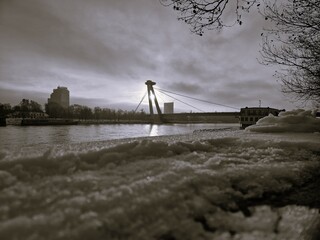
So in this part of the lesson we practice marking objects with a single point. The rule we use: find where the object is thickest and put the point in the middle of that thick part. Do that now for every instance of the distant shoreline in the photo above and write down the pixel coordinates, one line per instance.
(89, 122)
(36, 122)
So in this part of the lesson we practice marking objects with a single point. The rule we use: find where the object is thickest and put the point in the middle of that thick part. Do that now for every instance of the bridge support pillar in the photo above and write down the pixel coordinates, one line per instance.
(152, 97)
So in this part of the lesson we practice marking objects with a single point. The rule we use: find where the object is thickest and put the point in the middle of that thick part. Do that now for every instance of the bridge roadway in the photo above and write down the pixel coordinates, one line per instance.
(206, 117)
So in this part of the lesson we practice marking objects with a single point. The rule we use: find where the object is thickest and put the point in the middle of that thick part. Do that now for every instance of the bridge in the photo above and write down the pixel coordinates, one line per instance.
(192, 117)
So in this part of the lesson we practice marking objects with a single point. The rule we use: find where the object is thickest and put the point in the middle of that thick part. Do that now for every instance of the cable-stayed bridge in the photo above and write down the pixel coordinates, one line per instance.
(157, 116)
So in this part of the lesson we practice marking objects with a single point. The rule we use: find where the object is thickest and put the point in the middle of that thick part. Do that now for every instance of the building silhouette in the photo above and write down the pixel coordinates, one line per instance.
(168, 108)
(60, 96)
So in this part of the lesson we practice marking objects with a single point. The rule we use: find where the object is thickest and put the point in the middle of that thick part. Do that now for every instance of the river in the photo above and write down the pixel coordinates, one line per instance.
(18, 137)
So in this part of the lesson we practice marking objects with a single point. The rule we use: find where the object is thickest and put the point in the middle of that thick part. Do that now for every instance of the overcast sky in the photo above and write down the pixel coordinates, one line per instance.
(103, 51)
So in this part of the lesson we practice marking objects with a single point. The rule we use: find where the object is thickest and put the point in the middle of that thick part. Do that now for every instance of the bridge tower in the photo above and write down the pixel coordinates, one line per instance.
(152, 96)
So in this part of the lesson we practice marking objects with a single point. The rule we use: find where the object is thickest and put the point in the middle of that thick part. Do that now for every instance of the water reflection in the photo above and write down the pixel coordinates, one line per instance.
(153, 130)
(17, 136)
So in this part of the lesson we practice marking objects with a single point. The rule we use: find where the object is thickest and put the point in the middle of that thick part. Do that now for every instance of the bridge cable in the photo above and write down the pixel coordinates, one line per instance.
(181, 101)
(140, 101)
(201, 100)
(159, 94)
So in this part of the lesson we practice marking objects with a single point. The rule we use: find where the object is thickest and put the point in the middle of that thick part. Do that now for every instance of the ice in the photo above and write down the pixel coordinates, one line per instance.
(207, 185)
(298, 120)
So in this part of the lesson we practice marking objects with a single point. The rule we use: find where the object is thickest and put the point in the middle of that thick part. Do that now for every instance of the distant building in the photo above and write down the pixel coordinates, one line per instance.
(168, 108)
(60, 96)
(250, 115)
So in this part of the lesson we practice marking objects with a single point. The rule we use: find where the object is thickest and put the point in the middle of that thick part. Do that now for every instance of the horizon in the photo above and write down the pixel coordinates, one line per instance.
(123, 106)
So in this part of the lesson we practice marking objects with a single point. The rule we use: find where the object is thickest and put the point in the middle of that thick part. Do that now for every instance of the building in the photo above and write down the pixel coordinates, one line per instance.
(168, 108)
(250, 115)
(60, 96)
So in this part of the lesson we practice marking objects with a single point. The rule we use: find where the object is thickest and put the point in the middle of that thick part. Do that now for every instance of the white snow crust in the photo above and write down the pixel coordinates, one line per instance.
(198, 186)
(298, 120)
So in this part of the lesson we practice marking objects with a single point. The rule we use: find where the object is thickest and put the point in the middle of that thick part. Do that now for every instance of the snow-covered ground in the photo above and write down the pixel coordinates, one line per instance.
(230, 184)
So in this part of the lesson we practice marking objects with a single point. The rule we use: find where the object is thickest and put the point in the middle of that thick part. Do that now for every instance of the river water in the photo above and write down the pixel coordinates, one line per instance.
(17, 136)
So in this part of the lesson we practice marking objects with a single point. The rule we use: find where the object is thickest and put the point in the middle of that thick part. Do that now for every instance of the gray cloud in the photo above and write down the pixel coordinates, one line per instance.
(107, 49)
(185, 87)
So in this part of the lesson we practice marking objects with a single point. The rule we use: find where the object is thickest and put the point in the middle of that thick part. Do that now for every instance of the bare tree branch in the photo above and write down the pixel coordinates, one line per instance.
(293, 43)
(204, 15)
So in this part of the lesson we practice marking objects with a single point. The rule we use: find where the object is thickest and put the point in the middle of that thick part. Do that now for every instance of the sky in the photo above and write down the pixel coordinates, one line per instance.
(103, 51)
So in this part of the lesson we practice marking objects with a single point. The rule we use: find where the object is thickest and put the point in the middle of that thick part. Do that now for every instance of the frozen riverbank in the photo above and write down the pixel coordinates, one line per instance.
(227, 184)
(208, 185)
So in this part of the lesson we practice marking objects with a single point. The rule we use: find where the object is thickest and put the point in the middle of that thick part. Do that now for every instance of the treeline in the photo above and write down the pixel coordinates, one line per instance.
(81, 112)
(23, 110)
(27, 108)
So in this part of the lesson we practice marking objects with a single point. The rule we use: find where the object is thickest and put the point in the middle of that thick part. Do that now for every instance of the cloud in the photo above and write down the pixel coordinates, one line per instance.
(188, 88)
(108, 49)
(15, 96)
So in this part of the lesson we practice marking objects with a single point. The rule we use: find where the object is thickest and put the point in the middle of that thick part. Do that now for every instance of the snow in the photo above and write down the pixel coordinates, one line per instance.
(298, 120)
(208, 185)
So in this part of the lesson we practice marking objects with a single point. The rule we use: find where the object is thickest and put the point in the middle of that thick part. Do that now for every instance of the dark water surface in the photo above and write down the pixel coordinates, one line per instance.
(17, 136)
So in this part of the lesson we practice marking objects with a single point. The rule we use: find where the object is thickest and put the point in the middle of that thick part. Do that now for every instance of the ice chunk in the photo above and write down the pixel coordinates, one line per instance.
(291, 121)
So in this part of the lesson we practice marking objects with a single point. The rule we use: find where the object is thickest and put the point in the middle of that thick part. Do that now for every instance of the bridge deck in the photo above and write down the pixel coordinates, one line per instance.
(206, 117)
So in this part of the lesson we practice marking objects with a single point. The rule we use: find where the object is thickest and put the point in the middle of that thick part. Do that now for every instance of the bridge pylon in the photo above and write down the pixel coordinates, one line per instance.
(152, 97)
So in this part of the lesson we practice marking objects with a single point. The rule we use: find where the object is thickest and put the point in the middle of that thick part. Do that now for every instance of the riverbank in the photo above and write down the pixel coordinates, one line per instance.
(93, 121)
(206, 185)
(57, 121)
(66, 121)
